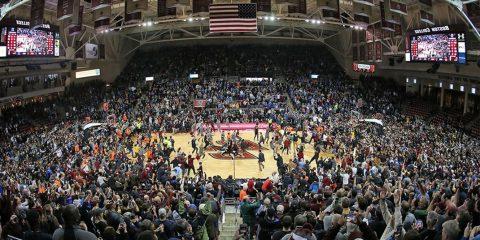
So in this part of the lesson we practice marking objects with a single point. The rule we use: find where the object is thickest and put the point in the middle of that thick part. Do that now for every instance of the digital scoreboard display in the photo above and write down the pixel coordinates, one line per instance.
(436, 44)
(21, 41)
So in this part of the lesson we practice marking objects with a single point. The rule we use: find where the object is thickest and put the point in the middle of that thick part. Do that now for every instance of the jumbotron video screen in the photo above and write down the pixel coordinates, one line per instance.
(26, 42)
(447, 47)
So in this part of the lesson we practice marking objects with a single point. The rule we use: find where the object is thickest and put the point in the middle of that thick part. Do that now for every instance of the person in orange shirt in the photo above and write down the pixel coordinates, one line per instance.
(112, 155)
(57, 183)
(243, 192)
(229, 136)
(42, 189)
(96, 149)
(149, 154)
(146, 140)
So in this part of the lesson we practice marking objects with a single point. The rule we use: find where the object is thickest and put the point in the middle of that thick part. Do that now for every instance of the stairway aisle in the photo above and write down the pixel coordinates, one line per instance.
(230, 223)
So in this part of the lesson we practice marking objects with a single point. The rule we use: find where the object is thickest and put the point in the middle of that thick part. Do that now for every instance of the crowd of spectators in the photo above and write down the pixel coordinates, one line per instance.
(396, 178)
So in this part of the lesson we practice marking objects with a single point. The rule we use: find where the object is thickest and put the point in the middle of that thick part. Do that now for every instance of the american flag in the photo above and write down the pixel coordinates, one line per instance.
(233, 17)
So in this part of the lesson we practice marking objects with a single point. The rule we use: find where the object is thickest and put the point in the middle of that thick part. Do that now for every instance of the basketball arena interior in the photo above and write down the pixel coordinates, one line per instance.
(239, 119)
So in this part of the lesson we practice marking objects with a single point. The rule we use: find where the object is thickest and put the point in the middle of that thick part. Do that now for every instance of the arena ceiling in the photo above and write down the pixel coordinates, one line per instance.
(279, 24)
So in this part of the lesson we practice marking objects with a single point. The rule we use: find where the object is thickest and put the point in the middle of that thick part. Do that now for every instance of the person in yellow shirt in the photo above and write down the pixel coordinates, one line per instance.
(135, 149)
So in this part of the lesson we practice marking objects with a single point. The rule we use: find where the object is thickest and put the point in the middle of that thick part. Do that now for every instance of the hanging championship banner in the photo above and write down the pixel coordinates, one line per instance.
(329, 9)
(101, 51)
(101, 18)
(133, 10)
(299, 6)
(263, 5)
(102, 24)
(200, 5)
(79, 52)
(386, 17)
(426, 17)
(378, 51)
(362, 52)
(370, 53)
(386, 34)
(36, 13)
(355, 53)
(369, 33)
(102, 13)
(398, 7)
(161, 8)
(330, 14)
(98, 4)
(133, 17)
(398, 30)
(473, 12)
(361, 18)
(355, 37)
(76, 25)
(362, 13)
(65, 9)
(365, 2)
(378, 30)
(172, 11)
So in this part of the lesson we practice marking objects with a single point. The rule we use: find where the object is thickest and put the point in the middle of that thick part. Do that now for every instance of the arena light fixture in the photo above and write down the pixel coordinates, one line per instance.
(451, 86)
(473, 91)
(307, 20)
(202, 18)
(190, 19)
(149, 23)
(462, 88)
(144, 24)
(87, 73)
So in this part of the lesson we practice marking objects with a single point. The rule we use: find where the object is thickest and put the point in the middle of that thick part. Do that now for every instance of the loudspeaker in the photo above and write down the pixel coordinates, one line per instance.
(399, 60)
(73, 66)
(457, 68)
(101, 50)
(391, 61)
(478, 63)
